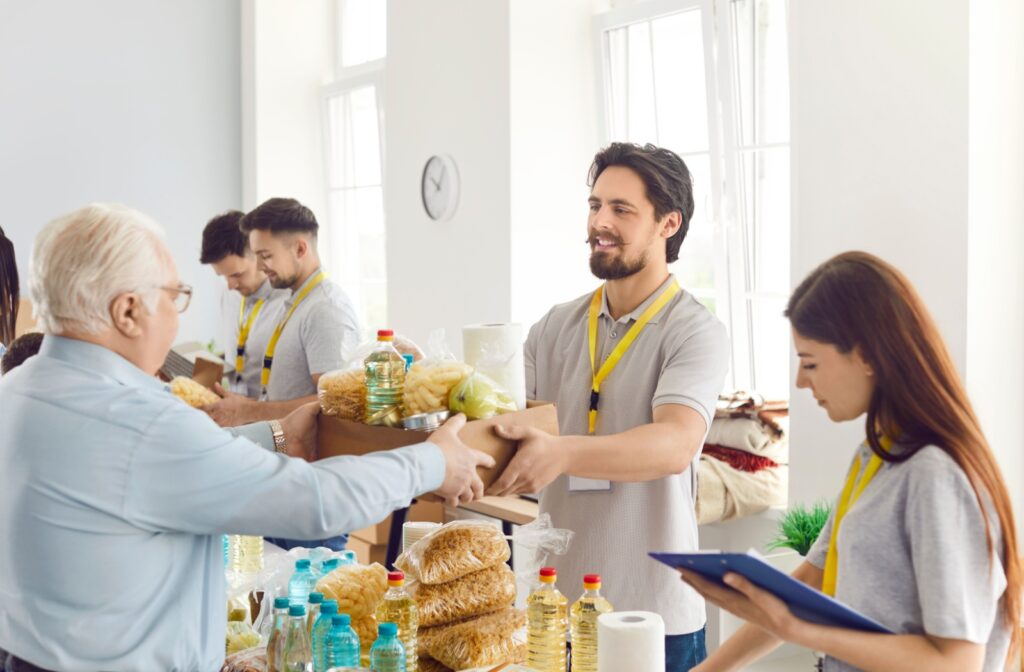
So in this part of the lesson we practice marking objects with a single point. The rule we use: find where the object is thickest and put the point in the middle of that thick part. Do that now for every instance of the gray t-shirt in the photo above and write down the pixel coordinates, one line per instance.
(259, 334)
(681, 357)
(322, 333)
(913, 555)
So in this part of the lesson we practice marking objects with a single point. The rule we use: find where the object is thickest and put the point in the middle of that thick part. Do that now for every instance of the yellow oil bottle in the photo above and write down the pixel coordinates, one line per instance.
(547, 625)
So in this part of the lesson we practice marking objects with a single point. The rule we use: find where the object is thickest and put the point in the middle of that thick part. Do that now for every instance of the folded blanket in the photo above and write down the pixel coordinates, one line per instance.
(772, 414)
(738, 459)
(749, 435)
(724, 492)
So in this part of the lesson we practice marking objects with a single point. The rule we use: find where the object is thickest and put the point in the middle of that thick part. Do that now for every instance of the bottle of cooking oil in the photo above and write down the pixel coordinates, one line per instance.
(245, 554)
(546, 625)
(583, 624)
(398, 607)
(385, 378)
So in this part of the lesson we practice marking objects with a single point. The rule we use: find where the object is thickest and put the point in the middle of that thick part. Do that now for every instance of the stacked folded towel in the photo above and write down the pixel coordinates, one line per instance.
(743, 467)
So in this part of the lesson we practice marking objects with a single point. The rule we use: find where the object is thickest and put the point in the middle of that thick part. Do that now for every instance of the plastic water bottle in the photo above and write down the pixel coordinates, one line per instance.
(245, 554)
(275, 643)
(546, 625)
(330, 565)
(398, 607)
(301, 583)
(297, 656)
(313, 607)
(387, 653)
(583, 624)
(226, 547)
(385, 378)
(322, 626)
(343, 647)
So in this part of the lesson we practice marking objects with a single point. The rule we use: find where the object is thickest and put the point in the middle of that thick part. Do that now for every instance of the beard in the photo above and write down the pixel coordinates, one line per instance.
(607, 267)
(282, 282)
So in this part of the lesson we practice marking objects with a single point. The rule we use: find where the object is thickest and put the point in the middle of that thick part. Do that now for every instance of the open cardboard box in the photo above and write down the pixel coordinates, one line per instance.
(343, 437)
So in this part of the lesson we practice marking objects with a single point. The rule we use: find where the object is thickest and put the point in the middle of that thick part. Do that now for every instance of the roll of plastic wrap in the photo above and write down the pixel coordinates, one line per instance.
(496, 350)
(630, 640)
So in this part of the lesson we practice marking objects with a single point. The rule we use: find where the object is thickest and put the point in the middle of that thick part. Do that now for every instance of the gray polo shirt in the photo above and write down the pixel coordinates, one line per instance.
(259, 335)
(913, 556)
(681, 357)
(321, 334)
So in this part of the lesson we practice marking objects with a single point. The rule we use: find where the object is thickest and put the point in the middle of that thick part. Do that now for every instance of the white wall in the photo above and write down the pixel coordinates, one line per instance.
(995, 244)
(880, 158)
(447, 92)
(136, 102)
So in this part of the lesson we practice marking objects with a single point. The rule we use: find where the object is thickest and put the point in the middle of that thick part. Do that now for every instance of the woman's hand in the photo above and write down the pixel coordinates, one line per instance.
(745, 600)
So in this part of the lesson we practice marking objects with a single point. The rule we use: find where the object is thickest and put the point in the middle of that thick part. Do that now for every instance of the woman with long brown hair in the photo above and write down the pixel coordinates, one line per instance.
(8, 291)
(922, 538)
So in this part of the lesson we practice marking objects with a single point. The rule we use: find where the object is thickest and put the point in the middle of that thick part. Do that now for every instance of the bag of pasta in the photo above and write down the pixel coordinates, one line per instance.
(343, 394)
(454, 550)
(498, 637)
(192, 393)
(474, 594)
(429, 382)
(357, 588)
(247, 660)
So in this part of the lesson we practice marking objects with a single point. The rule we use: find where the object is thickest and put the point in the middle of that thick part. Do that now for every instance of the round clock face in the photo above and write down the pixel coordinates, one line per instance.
(440, 187)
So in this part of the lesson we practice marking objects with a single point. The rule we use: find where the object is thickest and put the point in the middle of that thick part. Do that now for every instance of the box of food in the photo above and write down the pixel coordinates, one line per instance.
(343, 437)
(367, 553)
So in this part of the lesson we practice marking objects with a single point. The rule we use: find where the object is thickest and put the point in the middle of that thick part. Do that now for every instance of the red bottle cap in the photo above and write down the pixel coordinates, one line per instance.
(548, 571)
(385, 332)
(396, 576)
(591, 578)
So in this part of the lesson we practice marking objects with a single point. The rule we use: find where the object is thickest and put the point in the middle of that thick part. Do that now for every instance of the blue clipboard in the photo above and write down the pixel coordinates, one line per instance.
(805, 602)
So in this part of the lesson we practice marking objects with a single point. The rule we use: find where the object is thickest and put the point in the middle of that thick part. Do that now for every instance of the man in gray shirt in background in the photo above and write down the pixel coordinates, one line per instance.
(635, 369)
(316, 329)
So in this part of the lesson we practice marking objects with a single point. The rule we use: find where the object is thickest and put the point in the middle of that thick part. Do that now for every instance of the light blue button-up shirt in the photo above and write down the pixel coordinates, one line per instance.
(113, 497)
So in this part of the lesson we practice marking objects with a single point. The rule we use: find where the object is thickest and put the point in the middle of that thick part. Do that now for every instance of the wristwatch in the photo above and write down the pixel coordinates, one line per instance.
(280, 445)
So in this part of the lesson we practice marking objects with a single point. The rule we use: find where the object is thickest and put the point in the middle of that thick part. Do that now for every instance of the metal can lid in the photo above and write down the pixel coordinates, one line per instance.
(425, 422)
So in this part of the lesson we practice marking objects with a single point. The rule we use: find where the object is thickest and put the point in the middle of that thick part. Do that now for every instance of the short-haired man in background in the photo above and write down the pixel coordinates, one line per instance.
(635, 368)
(251, 306)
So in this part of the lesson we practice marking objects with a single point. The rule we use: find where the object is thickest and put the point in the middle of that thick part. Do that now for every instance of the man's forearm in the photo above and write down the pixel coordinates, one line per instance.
(643, 453)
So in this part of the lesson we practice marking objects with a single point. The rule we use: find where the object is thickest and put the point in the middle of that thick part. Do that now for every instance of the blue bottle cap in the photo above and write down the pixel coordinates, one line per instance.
(302, 564)
(330, 564)
(280, 603)
(387, 629)
(344, 620)
(329, 607)
(297, 610)
(316, 598)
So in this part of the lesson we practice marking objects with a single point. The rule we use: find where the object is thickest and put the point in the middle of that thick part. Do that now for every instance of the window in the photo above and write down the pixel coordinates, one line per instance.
(353, 118)
(708, 79)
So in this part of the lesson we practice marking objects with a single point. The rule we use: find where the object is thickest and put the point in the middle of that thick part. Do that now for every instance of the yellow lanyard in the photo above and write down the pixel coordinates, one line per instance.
(851, 493)
(244, 327)
(268, 358)
(599, 375)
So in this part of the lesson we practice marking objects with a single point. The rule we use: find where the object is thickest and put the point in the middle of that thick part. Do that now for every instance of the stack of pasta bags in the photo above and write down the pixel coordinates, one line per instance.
(744, 465)
(464, 594)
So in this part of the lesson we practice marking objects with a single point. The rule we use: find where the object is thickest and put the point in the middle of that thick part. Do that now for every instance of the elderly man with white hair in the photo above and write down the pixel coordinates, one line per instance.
(114, 494)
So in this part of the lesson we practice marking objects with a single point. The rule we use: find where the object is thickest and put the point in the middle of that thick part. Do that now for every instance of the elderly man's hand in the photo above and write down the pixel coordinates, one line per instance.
(461, 482)
(233, 409)
(300, 431)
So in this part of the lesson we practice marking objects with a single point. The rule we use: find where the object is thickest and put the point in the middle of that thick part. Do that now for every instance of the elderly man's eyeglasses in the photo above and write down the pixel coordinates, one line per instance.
(182, 296)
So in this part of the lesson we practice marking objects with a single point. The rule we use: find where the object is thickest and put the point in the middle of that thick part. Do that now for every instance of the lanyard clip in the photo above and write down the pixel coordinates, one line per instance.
(240, 351)
(268, 362)
(595, 396)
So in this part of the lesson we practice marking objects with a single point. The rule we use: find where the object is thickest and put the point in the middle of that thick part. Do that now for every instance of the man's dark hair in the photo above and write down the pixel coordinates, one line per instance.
(8, 290)
(23, 347)
(280, 215)
(666, 178)
(222, 237)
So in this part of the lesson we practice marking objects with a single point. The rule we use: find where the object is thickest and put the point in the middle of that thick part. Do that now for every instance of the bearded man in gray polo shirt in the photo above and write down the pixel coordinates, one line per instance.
(635, 368)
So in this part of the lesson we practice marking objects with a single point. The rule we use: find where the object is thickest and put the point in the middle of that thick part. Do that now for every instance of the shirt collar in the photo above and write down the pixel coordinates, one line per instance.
(639, 310)
(264, 292)
(100, 360)
(291, 299)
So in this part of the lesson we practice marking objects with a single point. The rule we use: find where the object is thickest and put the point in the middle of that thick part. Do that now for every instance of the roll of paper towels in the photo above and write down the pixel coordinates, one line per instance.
(630, 640)
(496, 350)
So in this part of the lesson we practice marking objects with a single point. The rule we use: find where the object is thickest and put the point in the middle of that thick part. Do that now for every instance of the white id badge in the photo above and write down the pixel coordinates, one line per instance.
(577, 484)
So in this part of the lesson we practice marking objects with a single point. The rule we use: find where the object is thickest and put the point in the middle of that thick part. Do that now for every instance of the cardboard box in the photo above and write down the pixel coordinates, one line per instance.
(432, 512)
(342, 437)
(367, 553)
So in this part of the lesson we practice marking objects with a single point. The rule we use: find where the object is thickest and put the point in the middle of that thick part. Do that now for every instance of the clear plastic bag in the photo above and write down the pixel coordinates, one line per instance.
(479, 397)
(248, 660)
(192, 393)
(240, 635)
(429, 382)
(342, 393)
(474, 594)
(357, 588)
(535, 543)
(453, 551)
(498, 637)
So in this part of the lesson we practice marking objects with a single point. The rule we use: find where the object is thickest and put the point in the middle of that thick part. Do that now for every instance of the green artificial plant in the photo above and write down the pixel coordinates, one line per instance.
(800, 527)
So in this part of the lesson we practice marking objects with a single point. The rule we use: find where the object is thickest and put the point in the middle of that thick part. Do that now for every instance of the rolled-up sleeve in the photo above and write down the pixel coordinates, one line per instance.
(188, 475)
